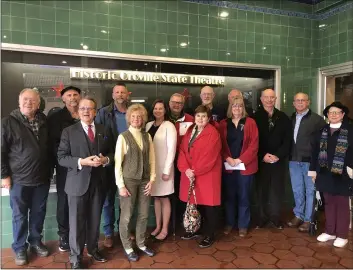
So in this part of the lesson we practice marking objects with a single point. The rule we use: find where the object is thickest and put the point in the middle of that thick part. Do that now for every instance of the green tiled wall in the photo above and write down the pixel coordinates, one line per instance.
(298, 45)
(336, 38)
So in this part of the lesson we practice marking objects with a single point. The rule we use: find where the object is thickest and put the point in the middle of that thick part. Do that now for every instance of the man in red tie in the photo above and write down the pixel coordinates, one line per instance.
(85, 150)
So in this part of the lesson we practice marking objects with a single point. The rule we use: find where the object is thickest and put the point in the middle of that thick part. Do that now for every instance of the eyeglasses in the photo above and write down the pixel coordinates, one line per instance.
(238, 106)
(207, 94)
(82, 109)
(177, 103)
(334, 113)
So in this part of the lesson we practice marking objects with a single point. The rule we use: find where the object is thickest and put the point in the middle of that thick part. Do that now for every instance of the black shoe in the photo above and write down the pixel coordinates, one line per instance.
(206, 242)
(189, 236)
(21, 258)
(277, 224)
(64, 245)
(97, 256)
(149, 252)
(132, 256)
(76, 265)
(261, 224)
(40, 250)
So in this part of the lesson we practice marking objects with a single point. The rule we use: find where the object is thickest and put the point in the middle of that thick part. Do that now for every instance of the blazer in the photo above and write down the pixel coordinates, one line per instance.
(74, 145)
(164, 142)
(248, 154)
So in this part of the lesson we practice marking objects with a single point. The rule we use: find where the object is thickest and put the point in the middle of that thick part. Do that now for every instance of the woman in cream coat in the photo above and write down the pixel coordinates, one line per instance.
(164, 137)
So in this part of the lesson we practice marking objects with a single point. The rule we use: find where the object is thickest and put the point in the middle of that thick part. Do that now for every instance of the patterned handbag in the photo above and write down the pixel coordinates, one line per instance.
(192, 217)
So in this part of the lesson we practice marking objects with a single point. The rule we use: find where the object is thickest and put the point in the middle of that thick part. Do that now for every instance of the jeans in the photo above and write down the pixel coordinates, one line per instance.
(28, 204)
(303, 190)
(237, 196)
(109, 211)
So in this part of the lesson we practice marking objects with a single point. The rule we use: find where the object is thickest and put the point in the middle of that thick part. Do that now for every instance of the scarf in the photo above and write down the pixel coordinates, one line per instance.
(340, 150)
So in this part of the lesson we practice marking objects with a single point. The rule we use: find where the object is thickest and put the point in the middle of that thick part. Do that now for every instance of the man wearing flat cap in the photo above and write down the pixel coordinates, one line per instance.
(57, 121)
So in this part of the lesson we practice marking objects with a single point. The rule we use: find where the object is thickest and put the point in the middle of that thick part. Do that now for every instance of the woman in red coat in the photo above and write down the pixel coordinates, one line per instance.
(200, 161)
(240, 143)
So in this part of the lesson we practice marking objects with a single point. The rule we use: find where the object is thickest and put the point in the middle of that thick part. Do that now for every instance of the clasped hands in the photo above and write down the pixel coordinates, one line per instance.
(233, 161)
(268, 158)
(94, 161)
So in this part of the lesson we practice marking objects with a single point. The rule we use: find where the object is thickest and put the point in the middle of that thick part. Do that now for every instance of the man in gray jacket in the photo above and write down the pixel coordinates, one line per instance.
(305, 125)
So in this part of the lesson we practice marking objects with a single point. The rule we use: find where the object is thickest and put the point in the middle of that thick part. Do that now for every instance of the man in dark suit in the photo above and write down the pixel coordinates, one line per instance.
(85, 149)
(57, 121)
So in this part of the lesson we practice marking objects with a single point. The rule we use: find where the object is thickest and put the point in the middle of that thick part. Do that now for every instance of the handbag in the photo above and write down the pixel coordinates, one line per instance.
(192, 217)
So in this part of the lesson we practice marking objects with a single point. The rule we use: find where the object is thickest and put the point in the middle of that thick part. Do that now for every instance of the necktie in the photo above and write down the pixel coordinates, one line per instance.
(90, 133)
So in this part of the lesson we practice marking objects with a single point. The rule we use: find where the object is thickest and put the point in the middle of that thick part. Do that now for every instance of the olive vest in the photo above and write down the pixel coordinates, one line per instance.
(136, 163)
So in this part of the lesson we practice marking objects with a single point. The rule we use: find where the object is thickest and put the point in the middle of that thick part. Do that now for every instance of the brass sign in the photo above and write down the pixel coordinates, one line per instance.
(141, 76)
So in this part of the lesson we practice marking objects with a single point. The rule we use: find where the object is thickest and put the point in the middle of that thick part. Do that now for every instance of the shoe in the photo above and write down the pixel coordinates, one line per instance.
(162, 236)
(154, 235)
(261, 224)
(64, 244)
(277, 224)
(304, 227)
(189, 236)
(40, 250)
(206, 242)
(324, 237)
(76, 265)
(108, 241)
(295, 222)
(227, 230)
(97, 256)
(340, 242)
(21, 258)
(132, 256)
(243, 232)
(149, 252)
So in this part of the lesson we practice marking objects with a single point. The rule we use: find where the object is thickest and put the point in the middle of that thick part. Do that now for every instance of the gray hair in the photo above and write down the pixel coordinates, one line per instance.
(33, 90)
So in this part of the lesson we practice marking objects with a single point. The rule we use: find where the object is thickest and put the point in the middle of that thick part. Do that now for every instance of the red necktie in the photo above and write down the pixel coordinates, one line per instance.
(90, 133)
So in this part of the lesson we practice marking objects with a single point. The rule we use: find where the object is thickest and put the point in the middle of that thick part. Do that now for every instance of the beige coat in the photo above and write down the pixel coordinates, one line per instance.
(164, 143)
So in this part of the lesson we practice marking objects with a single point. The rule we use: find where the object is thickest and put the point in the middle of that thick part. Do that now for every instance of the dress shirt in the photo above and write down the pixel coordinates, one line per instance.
(121, 150)
(298, 119)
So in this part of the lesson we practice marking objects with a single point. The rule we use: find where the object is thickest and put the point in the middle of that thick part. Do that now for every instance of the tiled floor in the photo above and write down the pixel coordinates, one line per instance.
(264, 248)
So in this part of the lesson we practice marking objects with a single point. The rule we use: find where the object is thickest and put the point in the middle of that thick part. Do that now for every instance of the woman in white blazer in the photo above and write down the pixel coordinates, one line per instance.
(164, 138)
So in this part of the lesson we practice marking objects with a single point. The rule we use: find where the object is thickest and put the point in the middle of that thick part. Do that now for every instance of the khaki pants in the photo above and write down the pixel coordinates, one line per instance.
(127, 205)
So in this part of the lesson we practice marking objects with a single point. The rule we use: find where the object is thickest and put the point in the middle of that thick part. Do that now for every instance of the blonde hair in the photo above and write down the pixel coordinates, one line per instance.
(235, 101)
(134, 108)
(178, 95)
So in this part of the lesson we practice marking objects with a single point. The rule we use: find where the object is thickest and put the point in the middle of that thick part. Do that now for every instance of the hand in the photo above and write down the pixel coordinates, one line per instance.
(313, 178)
(231, 161)
(165, 177)
(91, 161)
(274, 158)
(267, 158)
(102, 159)
(237, 161)
(6, 182)
(148, 188)
(123, 192)
(190, 173)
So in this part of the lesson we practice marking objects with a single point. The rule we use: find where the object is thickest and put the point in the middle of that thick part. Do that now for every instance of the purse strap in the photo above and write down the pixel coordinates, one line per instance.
(192, 189)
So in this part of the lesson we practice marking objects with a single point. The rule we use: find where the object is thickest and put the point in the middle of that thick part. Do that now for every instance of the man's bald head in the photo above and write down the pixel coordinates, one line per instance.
(268, 99)
(207, 95)
(234, 94)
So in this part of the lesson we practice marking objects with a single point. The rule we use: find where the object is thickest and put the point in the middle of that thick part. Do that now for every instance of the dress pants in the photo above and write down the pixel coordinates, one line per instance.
(337, 215)
(209, 219)
(62, 207)
(84, 215)
(127, 206)
(28, 204)
(270, 189)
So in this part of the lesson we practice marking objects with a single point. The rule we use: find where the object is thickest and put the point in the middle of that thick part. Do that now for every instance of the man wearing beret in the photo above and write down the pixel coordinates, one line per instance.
(57, 121)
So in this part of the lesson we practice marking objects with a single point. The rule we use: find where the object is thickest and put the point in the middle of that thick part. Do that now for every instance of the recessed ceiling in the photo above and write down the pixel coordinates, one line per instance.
(309, 2)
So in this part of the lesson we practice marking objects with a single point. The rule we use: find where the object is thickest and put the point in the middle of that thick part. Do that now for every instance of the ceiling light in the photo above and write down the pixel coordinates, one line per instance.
(108, 1)
(163, 50)
(138, 100)
(227, 53)
(81, 44)
(85, 47)
(322, 25)
(63, 62)
(183, 44)
(223, 14)
(264, 48)
(5, 36)
(103, 31)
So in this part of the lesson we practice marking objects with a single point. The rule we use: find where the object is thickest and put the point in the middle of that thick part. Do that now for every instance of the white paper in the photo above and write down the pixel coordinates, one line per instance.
(183, 127)
(240, 167)
(312, 173)
(350, 172)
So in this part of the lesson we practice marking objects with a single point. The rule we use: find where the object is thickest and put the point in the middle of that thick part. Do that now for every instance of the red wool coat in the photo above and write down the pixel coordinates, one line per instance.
(205, 159)
(250, 146)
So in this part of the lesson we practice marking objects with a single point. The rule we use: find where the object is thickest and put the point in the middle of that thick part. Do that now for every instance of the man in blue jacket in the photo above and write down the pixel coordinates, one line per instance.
(113, 118)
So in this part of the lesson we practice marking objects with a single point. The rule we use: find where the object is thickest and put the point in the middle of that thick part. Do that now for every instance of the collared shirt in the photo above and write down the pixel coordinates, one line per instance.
(120, 120)
(298, 119)
(34, 124)
(85, 128)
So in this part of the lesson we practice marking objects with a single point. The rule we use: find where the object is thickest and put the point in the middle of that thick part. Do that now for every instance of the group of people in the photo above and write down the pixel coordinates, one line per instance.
(116, 151)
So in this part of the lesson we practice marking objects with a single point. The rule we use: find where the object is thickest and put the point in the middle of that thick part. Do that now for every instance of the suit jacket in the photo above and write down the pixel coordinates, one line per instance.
(74, 145)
